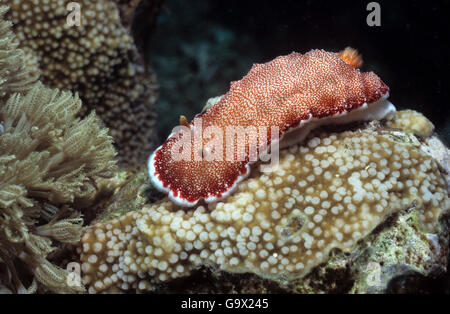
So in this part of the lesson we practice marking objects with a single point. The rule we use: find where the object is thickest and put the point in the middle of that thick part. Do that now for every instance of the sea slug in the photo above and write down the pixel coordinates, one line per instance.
(281, 99)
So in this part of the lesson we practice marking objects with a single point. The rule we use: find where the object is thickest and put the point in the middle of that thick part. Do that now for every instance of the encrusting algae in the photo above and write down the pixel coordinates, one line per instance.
(48, 158)
(328, 193)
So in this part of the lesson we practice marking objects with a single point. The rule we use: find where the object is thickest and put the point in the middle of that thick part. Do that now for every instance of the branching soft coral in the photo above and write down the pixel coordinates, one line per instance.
(57, 154)
(48, 155)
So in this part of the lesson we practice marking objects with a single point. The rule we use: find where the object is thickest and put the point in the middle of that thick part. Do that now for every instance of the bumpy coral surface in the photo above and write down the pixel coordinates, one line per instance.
(139, 18)
(15, 75)
(328, 193)
(97, 59)
(49, 158)
(411, 121)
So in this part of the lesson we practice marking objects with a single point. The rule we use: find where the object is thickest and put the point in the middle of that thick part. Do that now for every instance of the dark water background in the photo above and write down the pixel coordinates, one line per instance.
(199, 46)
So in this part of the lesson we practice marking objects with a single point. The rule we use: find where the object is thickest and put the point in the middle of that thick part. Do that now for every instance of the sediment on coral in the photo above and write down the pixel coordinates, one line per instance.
(49, 159)
(99, 61)
(328, 193)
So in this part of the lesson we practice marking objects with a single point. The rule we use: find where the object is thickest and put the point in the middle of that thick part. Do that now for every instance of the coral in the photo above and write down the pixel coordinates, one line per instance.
(49, 159)
(327, 194)
(127, 9)
(97, 59)
(398, 248)
(65, 152)
(411, 121)
(291, 94)
(130, 197)
(15, 75)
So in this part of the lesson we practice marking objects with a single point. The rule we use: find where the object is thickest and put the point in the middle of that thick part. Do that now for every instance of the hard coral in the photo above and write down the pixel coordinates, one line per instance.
(97, 59)
(48, 156)
(411, 121)
(328, 193)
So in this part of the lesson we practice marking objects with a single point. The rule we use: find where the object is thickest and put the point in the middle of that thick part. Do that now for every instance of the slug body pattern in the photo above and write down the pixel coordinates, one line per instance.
(291, 94)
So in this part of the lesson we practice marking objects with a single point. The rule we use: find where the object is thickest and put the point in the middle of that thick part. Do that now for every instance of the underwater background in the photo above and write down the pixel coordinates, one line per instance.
(198, 47)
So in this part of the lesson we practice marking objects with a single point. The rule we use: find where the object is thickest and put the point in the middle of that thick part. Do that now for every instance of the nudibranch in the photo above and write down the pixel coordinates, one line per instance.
(288, 97)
